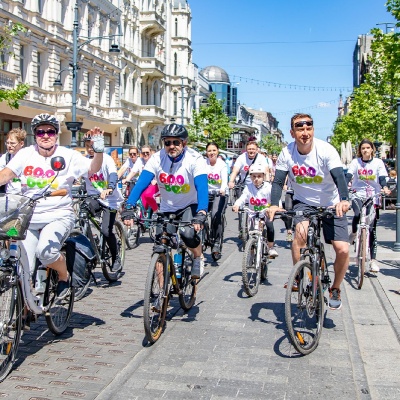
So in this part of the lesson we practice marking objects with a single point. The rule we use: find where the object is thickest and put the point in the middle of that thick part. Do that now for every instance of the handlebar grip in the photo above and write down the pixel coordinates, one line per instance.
(59, 192)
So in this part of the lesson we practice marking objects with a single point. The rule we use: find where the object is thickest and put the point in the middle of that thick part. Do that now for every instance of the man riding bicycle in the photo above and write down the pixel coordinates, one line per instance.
(317, 177)
(182, 179)
(104, 183)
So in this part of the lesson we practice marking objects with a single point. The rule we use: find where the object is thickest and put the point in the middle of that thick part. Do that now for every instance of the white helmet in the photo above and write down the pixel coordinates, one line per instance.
(257, 169)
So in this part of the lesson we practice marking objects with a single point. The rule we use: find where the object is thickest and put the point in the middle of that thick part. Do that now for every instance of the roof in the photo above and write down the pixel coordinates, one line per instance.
(215, 74)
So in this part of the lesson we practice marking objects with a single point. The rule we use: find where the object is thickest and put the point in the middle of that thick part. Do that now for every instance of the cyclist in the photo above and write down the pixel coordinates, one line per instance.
(217, 180)
(369, 177)
(258, 195)
(181, 176)
(54, 217)
(14, 142)
(104, 182)
(317, 178)
(129, 163)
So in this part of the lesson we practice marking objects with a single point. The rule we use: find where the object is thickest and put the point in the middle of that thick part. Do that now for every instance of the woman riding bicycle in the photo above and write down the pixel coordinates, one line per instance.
(369, 177)
(54, 217)
(217, 181)
(104, 183)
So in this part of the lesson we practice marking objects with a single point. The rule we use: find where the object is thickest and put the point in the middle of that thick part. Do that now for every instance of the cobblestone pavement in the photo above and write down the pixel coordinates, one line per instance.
(227, 346)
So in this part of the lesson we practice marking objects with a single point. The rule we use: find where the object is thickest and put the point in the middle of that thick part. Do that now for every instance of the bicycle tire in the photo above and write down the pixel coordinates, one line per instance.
(155, 297)
(132, 236)
(361, 254)
(106, 263)
(303, 321)
(245, 229)
(221, 240)
(251, 272)
(11, 308)
(188, 287)
(323, 267)
(59, 312)
(264, 265)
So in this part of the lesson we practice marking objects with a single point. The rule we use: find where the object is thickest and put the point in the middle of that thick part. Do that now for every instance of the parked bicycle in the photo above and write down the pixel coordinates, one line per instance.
(308, 282)
(255, 256)
(362, 238)
(24, 297)
(207, 233)
(167, 275)
(90, 226)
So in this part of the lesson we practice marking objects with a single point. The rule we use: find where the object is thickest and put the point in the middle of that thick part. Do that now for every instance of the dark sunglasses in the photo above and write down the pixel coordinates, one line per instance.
(42, 132)
(133, 154)
(175, 142)
(300, 124)
(145, 153)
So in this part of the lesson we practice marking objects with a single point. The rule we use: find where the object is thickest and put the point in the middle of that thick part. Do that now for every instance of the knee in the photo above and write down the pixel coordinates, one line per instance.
(342, 249)
(190, 237)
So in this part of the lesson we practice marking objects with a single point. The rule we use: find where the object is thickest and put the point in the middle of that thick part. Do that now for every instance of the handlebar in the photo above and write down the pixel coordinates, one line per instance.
(59, 192)
(86, 196)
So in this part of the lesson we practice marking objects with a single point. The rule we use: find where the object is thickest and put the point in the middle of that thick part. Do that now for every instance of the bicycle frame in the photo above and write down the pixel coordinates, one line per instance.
(259, 223)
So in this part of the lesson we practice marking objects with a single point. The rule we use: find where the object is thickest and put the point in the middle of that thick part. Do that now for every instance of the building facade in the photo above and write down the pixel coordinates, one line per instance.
(130, 96)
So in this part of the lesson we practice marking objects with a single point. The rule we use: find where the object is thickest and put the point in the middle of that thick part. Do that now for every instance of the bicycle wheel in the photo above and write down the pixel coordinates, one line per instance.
(264, 265)
(361, 254)
(11, 307)
(188, 287)
(323, 267)
(304, 319)
(251, 271)
(244, 227)
(132, 236)
(155, 297)
(106, 263)
(58, 311)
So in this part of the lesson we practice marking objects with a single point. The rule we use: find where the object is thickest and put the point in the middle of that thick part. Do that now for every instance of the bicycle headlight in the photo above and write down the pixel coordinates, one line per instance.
(4, 254)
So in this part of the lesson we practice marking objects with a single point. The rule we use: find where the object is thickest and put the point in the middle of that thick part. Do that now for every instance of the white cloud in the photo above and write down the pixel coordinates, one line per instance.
(323, 105)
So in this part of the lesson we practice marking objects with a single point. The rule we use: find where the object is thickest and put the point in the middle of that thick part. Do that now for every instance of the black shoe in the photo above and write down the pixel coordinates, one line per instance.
(116, 266)
(216, 252)
(63, 290)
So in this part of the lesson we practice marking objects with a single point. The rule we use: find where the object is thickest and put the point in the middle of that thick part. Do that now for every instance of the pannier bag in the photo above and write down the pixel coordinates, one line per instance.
(78, 253)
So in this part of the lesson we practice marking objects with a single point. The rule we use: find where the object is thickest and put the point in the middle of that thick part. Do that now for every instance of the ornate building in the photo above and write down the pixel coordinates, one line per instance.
(130, 93)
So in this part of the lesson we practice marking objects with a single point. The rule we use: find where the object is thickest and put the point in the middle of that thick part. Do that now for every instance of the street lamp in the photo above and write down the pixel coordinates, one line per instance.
(74, 126)
(396, 246)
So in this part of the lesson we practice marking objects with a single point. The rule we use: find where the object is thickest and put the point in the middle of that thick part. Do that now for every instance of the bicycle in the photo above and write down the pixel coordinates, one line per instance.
(255, 256)
(90, 226)
(308, 282)
(162, 272)
(206, 234)
(361, 244)
(22, 296)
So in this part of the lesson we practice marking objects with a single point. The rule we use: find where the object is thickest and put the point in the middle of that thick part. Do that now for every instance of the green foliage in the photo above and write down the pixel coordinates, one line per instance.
(210, 123)
(269, 143)
(12, 96)
(373, 111)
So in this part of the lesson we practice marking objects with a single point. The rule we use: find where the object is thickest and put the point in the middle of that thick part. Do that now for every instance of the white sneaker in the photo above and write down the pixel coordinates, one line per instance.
(373, 266)
(352, 237)
(272, 253)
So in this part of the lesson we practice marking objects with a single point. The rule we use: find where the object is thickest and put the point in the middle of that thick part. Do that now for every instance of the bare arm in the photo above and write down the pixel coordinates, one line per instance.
(96, 163)
(235, 171)
(6, 175)
(121, 171)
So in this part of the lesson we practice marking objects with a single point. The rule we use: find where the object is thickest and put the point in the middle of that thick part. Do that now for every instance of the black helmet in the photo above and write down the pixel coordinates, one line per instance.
(45, 119)
(174, 130)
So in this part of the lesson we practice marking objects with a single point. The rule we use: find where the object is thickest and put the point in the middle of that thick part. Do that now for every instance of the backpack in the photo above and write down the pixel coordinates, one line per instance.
(4, 187)
(79, 252)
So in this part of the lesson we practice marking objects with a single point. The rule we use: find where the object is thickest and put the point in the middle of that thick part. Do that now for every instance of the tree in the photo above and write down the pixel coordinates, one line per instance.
(269, 143)
(210, 123)
(12, 96)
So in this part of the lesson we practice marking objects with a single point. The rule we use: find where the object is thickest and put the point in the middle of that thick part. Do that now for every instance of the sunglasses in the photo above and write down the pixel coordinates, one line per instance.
(300, 124)
(175, 142)
(133, 154)
(41, 132)
(145, 153)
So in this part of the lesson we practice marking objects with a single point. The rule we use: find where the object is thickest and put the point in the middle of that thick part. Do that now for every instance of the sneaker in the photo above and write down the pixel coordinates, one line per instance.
(352, 237)
(63, 290)
(272, 253)
(289, 237)
(373, 266)
(335, 303)
(295, 287)
(198, 265)
(216, 252)
(116, 266)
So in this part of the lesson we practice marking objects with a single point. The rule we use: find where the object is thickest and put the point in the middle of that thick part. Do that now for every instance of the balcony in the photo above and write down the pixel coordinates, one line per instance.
(152, 113)
(152, 22)
(177, 41)
(152, 67)
(8, 80)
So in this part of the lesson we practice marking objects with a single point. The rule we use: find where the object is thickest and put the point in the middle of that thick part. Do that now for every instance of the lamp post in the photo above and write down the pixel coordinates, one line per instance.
(74, 126)
(396, 246)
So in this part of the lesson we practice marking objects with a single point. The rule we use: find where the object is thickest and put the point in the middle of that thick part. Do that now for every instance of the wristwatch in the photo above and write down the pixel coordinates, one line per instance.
(344, 198)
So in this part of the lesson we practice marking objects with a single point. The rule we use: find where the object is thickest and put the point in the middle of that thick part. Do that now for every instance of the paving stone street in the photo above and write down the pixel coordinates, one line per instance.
(227, 346)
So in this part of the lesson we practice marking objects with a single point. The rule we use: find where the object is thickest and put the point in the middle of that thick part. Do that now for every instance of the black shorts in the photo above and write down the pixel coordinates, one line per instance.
(334, 228)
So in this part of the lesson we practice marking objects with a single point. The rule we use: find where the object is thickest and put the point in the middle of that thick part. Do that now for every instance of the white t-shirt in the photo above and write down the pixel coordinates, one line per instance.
(35, 173)
(97, 182)
(14, 186)
(138, 167)
(243, 162)
(366, 176)
(176, 180)
(310, 173)
(128, 164)
(217, 175)
(258, 198)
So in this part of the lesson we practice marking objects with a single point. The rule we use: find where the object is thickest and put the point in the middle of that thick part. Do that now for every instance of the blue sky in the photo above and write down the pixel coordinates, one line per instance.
(308, 43)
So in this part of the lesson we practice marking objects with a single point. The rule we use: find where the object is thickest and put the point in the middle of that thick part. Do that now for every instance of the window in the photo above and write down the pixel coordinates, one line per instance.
(22, 63)
(40, 6)
(3, 60)
(39, 69)
(176, 26)
(175, 64)
(175, 103)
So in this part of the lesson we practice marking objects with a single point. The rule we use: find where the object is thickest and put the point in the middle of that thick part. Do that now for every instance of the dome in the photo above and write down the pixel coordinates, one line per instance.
(215, 74)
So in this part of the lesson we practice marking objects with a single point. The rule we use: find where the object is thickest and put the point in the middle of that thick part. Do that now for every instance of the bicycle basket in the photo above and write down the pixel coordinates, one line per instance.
(15, 215)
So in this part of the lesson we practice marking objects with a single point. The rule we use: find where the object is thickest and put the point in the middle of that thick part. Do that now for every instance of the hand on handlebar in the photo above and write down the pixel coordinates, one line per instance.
(105, 193)
(272, 210)
(342, 207)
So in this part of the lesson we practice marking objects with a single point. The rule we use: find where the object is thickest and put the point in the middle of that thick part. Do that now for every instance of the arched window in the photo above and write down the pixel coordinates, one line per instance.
(175, 103)
(176, 26)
